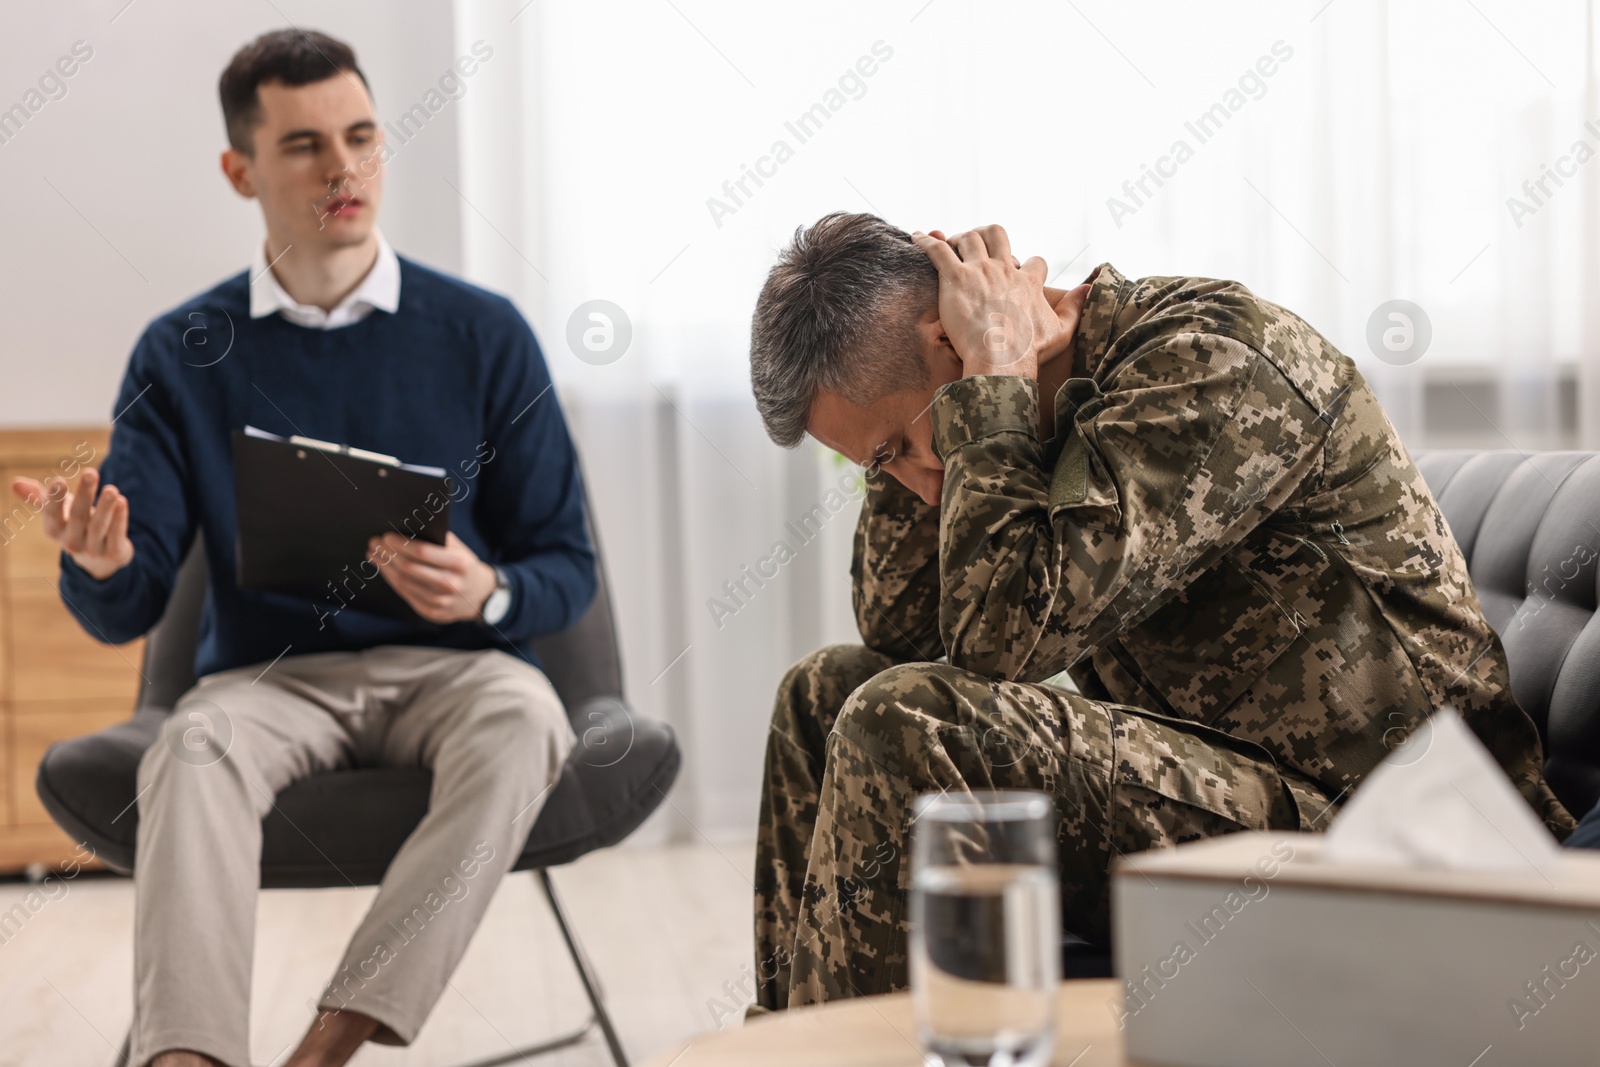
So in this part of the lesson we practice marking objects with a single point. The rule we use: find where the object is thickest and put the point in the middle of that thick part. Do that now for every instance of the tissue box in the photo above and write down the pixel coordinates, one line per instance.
(1244, 951)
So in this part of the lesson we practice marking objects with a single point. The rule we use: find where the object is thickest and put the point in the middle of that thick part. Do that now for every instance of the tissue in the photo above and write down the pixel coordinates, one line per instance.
(1441, 800)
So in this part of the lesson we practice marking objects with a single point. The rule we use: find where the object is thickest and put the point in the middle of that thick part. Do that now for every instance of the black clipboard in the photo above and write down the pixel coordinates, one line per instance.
(305, 510)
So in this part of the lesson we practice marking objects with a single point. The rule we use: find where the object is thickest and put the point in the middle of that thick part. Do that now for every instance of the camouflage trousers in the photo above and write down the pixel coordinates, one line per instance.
(856, 737)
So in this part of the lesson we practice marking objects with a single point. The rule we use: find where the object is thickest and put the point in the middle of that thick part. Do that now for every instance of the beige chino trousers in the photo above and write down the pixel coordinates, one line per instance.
(488, 725)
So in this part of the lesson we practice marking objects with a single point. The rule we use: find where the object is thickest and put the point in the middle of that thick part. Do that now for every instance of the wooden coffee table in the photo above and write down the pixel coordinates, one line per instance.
(877, 1032)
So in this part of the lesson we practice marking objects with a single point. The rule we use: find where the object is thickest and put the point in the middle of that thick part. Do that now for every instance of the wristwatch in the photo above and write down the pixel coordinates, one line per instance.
(499, 602)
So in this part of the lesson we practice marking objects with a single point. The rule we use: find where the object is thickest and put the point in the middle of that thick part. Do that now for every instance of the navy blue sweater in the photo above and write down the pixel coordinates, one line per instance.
(453, 379)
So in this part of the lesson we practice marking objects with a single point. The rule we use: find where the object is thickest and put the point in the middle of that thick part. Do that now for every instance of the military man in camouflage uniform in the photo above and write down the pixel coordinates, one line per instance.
(1177, 492)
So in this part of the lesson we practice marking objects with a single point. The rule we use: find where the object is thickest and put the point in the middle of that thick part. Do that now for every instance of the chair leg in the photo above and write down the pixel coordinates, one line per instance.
(591, 982)
(591, 986)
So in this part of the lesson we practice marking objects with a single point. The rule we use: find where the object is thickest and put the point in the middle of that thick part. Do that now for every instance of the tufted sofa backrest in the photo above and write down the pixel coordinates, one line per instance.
(1529, 524)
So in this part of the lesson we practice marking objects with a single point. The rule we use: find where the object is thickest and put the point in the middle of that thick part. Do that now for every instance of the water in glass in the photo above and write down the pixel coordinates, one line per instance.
(985, 929)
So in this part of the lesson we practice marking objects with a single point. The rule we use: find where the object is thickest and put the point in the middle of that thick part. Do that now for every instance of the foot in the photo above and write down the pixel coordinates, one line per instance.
(333, 1038)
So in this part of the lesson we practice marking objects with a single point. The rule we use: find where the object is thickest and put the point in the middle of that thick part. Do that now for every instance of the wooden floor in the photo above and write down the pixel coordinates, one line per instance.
(668, 929)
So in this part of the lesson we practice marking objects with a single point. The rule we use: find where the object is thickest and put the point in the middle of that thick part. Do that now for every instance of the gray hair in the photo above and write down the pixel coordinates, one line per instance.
(838, 313)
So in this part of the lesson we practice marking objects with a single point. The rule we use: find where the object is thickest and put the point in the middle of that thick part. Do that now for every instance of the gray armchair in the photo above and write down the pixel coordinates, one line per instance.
(344, 827)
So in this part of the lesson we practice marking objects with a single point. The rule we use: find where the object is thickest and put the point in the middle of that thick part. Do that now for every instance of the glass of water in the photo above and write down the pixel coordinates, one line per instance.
(985, 928)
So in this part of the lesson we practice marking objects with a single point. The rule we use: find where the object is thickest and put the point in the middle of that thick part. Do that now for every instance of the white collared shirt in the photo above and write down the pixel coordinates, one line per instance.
(380, 289)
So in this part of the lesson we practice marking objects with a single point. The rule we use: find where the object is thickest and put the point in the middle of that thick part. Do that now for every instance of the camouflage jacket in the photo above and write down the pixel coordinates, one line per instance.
(1224, 528)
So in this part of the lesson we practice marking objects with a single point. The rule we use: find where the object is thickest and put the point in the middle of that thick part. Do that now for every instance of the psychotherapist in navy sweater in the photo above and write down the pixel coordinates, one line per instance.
(329, 335)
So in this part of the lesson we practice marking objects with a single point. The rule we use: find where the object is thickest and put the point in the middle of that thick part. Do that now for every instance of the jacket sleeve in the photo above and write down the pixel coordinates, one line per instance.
(148, 464)
(894, 571)
(532, 509)
(1196, 438)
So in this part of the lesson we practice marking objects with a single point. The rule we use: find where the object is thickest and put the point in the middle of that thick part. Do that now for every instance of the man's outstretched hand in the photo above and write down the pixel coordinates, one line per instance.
(93, 532)
(998, 314)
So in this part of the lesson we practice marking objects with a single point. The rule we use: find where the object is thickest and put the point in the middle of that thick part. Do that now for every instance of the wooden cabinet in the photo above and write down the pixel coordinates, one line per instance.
(56, 681)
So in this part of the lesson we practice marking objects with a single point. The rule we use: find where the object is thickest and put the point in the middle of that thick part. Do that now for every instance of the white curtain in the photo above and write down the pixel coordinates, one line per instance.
(1332, 155)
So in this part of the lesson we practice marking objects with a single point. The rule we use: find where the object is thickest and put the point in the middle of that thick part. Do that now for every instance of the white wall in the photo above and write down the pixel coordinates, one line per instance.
(143, 217)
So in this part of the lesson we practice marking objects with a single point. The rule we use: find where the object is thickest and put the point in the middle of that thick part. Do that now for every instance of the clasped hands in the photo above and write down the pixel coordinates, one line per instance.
(996, 312)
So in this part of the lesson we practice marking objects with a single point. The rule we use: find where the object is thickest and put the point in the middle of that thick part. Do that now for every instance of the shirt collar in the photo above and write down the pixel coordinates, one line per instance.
(1107, 293)
(379, 290)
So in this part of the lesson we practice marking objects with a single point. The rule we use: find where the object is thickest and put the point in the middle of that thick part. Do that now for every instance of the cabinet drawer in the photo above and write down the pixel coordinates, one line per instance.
(7, 811)
(5, 652)
(23, 846)
(53, 658)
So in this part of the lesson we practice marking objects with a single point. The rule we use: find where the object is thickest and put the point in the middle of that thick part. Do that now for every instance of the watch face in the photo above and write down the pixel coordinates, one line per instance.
(494, 609)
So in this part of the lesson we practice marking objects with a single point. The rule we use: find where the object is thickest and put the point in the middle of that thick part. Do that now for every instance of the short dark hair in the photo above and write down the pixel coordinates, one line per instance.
(293, 57)
(838, 312)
